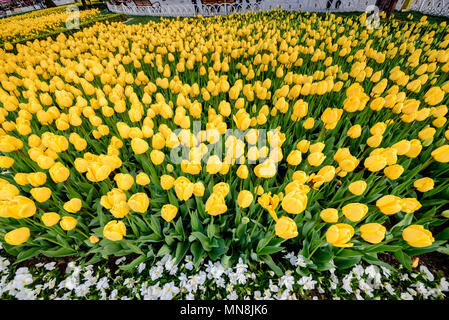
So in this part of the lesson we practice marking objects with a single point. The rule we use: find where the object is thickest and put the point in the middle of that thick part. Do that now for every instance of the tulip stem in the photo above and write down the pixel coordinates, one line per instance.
(188, 208)
(342, 201)
(55, 242)
(314, 250)
(254, 228)
(79, 231)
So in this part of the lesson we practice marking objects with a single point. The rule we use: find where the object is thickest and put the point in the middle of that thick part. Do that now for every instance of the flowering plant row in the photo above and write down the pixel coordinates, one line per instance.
(162, 279)
(39, 22)
(228, 137)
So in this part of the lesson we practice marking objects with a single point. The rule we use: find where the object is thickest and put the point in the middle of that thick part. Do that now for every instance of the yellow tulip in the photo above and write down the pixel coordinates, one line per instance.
(139, 202)
(245, 198)
(372, 232)
(329, 215)
(216, 204)
(73, 205)
(340, 234)
(168, 212)
(114, 230)
(286, 228)
(17, 236)
(68, 223)
(417, 236)
(50, 218)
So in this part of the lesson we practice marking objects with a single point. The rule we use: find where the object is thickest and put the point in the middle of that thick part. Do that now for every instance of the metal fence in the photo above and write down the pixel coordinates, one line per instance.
(162, 9)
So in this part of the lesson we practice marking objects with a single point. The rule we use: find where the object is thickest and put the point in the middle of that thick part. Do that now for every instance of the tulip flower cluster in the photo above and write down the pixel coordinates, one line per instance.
(228, 137)
(38, 22)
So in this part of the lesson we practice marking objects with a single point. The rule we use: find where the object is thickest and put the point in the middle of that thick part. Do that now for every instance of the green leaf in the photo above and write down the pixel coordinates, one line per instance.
(267, 250)
(372, 259)
(205, 242)
(130, 266)
(179, 228)
(195, 222)
(198, 253)
(211, 230)
(163, 251)
(218, 249)
(27, 254)
(346, 262)
(155, 225)
(403, 259)
(272, 265)
(133, 247)
(61, 252)
(181, 250)
(443, 235)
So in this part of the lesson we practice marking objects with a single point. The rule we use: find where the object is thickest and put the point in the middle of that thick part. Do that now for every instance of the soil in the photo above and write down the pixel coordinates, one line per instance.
(436, 262)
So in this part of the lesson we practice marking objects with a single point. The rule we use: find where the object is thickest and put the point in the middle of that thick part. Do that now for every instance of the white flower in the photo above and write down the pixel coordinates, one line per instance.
(232, 296)
(189, 262)
(307, 282)
(428, 274)
(82, 290)
(357, 295)
(102, 284)
(358, 271)
(286, 281)
(50, 266)
(403, 277)
(120, 260)
(347, 283)
(241, 267)
(406, 296)
(386, 271)
(156, 272)
(141, 267)
(220, 282)
(113, 295)
(273, 287)
(389, 288)
(170, 263)
(291, 257)
(444, 285)
(300, 261)
(241, 278)
(71, 283)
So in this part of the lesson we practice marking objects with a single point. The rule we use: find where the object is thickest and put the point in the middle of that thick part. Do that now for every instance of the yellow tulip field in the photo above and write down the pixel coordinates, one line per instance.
(241, 136)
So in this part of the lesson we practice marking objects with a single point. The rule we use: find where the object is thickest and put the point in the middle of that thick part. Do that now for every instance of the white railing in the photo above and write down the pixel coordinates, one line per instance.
(429, 7)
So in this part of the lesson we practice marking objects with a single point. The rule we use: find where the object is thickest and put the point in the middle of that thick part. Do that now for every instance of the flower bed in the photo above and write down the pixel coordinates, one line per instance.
(35, 24)
(164, 280)
(230, 139)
